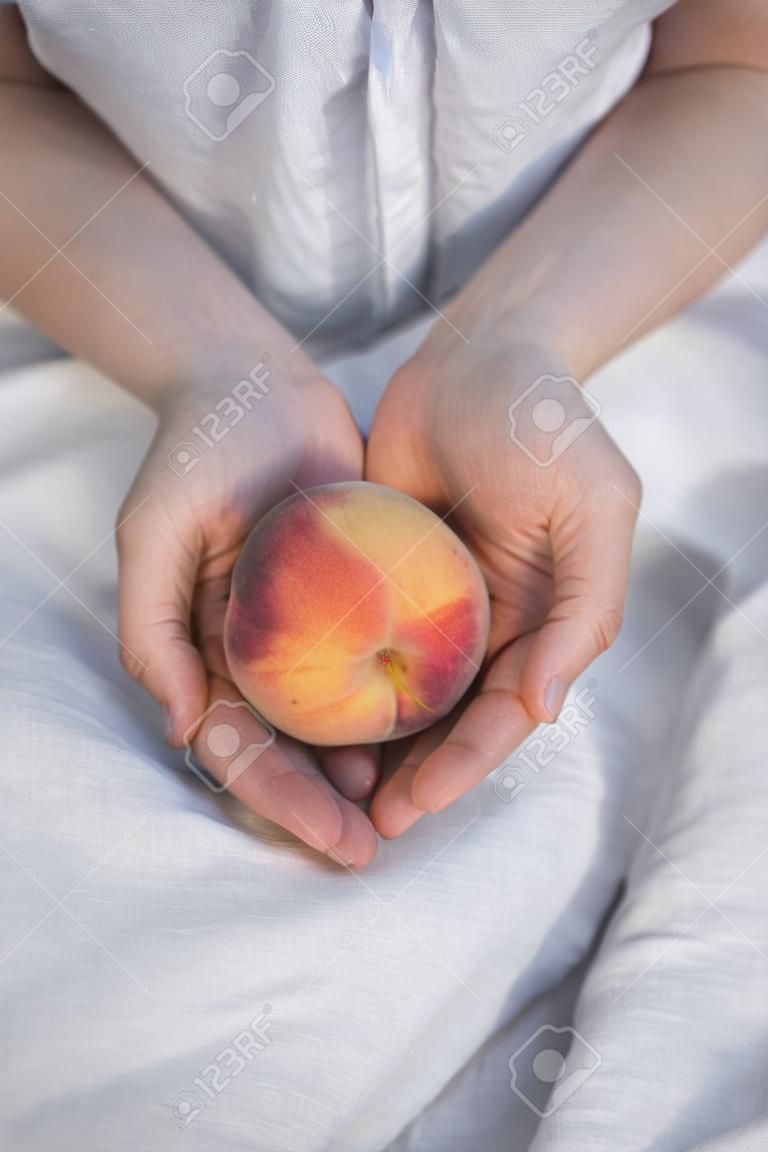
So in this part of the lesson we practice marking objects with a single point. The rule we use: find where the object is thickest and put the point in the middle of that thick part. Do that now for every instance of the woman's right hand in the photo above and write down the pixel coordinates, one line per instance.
(222, 456)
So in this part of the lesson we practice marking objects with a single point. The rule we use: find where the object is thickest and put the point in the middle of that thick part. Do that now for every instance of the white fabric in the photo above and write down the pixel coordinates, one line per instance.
(146, 922)
(398, 995)
(371, 174)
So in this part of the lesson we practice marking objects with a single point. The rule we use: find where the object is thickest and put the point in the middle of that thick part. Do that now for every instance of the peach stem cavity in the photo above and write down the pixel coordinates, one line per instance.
(385, 658)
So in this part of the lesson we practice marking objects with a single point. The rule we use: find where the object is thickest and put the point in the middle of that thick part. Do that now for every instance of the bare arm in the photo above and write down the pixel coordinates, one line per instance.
(669, 190)
(95, 256)
(665, 194)
(134, 290)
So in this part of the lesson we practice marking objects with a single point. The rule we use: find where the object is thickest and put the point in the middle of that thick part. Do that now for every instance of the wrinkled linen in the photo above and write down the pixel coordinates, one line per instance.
(156, 939)
(620, 891)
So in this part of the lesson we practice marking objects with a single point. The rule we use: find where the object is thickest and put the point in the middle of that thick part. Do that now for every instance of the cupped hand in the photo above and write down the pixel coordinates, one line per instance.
(222, 456)
(495, 435)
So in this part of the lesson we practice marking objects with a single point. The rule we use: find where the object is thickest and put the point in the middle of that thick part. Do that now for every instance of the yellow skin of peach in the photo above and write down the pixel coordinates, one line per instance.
(356, 615)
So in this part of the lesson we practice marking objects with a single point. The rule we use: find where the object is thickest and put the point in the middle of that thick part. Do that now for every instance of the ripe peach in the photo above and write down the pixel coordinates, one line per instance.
(356, 615)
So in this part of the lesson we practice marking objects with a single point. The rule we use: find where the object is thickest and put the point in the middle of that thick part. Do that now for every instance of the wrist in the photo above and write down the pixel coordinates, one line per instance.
(271, 412)
(519, 299)
(224, 347)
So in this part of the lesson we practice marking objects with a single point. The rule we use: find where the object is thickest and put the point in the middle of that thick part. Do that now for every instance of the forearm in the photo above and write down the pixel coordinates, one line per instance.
(133, 290)
(666, 194)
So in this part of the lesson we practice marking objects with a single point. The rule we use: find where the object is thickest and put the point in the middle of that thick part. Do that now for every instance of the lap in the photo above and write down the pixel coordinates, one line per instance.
(167, 920)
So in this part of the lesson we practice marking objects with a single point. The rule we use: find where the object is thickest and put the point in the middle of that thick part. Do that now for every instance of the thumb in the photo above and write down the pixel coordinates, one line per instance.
(591, 552)
(157, 573)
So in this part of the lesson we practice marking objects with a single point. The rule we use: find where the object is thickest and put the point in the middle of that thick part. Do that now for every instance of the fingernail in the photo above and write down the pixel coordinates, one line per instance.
(554, 694)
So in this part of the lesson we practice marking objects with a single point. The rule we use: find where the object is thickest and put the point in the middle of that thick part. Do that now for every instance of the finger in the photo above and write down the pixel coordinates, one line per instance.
(493, 724)
(156, 581)
(239, 750)
(392, 809)
(393, 754)
(353, 770)
(591, 567)
(209, 610)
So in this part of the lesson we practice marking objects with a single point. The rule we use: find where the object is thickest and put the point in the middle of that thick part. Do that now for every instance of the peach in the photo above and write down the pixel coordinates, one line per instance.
(356, 615)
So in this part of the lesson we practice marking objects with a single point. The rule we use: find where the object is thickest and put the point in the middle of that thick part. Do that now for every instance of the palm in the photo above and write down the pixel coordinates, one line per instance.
(351, 770)
(516, 563)
(533, 533)
(179, 542)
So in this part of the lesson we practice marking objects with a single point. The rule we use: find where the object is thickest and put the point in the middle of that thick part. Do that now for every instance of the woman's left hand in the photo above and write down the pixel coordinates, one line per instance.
(549, 517)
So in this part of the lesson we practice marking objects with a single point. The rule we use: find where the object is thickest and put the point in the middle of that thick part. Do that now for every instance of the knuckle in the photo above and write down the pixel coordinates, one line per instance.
(607, 626)
(630, 486)
(130, 521)
(131, 663)
(634, 484)
(122, 528)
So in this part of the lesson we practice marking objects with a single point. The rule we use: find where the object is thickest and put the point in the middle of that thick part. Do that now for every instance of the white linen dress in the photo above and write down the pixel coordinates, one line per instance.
(174, 972)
